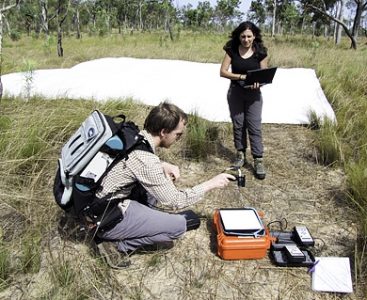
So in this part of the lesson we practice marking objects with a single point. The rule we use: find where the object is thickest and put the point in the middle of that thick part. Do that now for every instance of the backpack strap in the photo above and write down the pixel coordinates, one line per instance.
(67, 183)
(143, 145)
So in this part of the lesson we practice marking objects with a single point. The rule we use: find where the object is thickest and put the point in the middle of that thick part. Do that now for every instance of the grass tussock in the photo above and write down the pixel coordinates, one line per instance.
(198, 140)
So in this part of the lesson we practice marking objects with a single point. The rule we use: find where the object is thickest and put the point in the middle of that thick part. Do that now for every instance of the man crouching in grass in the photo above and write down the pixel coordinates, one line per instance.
(142, 224)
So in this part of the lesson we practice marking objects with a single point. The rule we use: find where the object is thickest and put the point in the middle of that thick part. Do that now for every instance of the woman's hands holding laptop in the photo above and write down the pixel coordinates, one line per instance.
(255, 86)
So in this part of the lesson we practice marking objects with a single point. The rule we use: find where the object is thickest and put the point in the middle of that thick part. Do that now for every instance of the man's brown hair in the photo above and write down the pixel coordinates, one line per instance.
(164, 116)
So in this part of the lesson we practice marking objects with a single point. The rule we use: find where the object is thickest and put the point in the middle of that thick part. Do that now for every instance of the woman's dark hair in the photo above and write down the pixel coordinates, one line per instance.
(164, 116)
(258, 44)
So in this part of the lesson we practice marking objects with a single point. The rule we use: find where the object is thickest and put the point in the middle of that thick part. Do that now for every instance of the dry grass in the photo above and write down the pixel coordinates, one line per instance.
(296, 188)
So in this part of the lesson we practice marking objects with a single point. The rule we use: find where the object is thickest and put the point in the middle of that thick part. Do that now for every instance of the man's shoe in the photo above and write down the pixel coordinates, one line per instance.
(240, 160)
(259, 168)
(161, 246)
(114, 258)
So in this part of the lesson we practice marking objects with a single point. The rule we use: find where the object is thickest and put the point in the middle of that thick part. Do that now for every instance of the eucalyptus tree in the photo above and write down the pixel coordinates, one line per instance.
(360, 7)
(189, 15)
(76, 4)
(169, 12)
(322, 7)
(340, 6)
(285, 15)
(62, 12)
(257, 12)
(47, 13)
(6, 6)
(123, 14)
(260, 10)
(92, 11)
(201, 16)
(205, 14)
(153, 13)
(289, 16)
(29, 16)
(165, 15)
(273, 4)
(226, 10)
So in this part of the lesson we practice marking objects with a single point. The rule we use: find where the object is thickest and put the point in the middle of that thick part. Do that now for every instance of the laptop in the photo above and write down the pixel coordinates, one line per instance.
(262, 76)
(241, 222)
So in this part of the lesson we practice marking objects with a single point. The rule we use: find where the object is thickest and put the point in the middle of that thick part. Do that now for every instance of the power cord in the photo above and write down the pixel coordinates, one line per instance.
(283, 226)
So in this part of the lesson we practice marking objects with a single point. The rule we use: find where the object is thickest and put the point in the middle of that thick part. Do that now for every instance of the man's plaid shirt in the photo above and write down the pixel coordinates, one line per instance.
(145, 167)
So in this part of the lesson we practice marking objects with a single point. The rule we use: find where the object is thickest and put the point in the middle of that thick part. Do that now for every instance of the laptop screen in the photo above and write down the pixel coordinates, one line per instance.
(243, 221)
(262, 76)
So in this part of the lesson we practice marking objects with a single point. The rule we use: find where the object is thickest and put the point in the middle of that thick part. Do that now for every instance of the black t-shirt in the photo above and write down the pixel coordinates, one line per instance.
(242, 65)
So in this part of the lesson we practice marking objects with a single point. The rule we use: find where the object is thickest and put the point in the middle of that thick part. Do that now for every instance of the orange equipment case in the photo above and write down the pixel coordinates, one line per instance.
(232, 247)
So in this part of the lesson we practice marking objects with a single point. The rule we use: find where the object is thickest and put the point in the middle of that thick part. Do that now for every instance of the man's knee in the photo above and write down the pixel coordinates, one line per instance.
(178, 227)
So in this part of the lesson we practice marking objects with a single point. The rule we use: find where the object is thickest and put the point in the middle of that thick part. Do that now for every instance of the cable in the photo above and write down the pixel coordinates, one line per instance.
(282, 228)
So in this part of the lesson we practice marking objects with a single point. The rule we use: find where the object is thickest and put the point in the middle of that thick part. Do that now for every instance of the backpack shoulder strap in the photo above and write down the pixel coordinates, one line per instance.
(143, 145)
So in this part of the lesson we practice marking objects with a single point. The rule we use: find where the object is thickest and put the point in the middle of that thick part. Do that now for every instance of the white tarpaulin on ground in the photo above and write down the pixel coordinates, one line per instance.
(195, 87)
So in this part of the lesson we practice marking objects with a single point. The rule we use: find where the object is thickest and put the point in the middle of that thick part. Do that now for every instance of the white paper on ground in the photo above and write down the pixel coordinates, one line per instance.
(332, 274)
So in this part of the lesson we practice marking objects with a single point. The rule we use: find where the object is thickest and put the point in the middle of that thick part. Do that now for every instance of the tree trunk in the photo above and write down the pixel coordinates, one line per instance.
(108, 23)
(357, 18)
(167, 22)
(44, 17)
(274, 18)
(140, 15)
(62, 12)
(77, 19)
(8, 29)
(2, 10)
(303, 25)
(60, 50)
(338, 27)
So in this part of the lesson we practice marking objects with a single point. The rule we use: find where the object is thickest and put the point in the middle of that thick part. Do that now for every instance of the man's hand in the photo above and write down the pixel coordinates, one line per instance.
(171, 171)
(219, 181)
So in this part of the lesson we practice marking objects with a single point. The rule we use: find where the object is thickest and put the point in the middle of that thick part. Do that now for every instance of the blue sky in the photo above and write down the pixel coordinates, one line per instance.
(244, 6)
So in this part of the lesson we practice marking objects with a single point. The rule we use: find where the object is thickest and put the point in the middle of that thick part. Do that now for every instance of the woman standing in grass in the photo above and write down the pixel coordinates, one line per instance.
(245, 51)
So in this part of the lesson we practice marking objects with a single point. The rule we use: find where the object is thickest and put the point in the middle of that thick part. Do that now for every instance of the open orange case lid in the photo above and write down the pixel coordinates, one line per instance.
(241, 222)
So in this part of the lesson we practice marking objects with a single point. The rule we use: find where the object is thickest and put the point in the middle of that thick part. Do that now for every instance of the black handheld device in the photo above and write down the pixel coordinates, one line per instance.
(240, 178)
(302, 236)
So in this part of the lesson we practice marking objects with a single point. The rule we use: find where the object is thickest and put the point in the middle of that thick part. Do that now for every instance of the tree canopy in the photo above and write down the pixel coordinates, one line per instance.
(318, 17)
